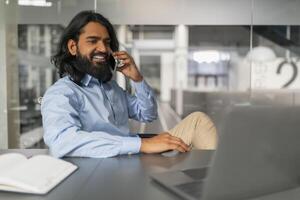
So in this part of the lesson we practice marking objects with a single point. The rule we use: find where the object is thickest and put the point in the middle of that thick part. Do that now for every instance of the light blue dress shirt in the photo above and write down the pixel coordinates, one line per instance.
(92, 120)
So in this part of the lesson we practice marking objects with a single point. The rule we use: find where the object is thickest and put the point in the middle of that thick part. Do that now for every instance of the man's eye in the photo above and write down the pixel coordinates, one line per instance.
(107, 43)
(92, 41)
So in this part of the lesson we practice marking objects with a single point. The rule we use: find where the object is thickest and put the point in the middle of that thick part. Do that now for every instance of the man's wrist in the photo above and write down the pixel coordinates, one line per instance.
(139, 78)
(143, 143)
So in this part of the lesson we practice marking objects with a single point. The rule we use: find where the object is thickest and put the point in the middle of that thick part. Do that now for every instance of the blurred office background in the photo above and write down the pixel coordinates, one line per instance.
(197, 55)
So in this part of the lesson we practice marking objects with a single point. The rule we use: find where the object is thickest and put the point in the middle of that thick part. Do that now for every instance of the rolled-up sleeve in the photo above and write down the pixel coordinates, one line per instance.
(142, 106)
(64, 135)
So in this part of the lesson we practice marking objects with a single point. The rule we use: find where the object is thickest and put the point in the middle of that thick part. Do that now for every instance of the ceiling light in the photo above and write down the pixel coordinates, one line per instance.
(38, 3)
(210, 56)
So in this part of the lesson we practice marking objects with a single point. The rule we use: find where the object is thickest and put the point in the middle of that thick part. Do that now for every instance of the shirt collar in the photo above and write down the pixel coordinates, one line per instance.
(86, 79)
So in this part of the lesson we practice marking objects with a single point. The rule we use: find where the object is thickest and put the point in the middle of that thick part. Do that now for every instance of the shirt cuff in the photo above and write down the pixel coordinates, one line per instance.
(131, 145)
(141, 87)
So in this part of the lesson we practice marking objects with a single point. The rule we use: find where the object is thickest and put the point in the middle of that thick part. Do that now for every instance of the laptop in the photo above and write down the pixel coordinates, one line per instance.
(258, 154)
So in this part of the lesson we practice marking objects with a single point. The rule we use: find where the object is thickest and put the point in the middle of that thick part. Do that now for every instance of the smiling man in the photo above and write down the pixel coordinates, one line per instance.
(85, 113)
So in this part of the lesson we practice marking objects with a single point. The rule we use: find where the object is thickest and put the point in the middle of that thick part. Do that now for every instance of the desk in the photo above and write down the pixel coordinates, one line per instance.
(123, 177)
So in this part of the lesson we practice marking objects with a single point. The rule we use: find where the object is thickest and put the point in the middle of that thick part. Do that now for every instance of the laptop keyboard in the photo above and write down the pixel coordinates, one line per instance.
(197, 173)
(193, 189)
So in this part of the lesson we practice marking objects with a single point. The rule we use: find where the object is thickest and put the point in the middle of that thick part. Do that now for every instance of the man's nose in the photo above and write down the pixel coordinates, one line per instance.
(101, 47)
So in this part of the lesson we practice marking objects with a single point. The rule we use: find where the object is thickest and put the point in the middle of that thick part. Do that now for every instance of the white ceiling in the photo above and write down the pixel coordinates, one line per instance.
(172, 12)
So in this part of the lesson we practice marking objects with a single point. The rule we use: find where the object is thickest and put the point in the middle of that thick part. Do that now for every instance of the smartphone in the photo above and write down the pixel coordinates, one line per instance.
(115, 63)
(118, 63)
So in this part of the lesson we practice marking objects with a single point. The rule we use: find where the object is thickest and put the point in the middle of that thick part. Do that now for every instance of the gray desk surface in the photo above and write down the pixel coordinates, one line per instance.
(124, 177)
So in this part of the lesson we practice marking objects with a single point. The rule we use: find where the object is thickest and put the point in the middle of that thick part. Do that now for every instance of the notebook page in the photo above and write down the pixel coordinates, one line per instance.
(39, 174)
(12, 189)
(10, 160)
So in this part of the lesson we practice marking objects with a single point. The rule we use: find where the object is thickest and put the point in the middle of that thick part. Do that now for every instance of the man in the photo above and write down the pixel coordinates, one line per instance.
(85, 113)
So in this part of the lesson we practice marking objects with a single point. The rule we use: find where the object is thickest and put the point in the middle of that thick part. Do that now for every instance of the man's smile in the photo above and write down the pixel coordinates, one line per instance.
(99, 58)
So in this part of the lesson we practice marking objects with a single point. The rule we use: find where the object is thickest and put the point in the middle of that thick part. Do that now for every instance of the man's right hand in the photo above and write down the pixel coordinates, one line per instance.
(163, 142)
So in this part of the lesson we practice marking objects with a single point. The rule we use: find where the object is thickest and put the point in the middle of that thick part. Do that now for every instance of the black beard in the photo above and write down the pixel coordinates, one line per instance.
(101, 71)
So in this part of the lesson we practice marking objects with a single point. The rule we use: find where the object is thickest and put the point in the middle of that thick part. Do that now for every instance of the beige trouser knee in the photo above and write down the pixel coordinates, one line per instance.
(196, 129)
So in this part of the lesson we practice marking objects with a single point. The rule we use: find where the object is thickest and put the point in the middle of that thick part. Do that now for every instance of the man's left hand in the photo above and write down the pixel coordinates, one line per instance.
(129, 69)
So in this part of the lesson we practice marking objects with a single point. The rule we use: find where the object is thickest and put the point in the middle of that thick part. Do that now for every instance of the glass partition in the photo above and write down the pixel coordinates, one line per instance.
(38, 36)
(197, 55)
(275, 55)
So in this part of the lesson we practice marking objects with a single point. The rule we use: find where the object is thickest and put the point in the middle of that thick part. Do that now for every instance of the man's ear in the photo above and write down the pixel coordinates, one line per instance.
(72, 46)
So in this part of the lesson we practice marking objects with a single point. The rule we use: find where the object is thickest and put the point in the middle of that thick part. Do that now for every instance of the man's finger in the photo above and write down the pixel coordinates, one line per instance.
(177, 147)
(179, 140)
(179, 143)
(122, 56)
(119, 53)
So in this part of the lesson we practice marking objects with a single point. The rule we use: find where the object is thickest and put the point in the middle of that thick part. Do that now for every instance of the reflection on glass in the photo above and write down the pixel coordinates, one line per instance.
(191, 67)
(216, 56)
(36, 44)
(150, 68)
(275, 57)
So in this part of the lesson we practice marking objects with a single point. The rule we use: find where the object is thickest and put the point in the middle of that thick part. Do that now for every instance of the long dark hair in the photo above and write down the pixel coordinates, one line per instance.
(63, 59)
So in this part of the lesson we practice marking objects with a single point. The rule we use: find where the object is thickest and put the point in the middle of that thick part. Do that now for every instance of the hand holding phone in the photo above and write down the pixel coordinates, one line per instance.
(125, 64)
(118, 63)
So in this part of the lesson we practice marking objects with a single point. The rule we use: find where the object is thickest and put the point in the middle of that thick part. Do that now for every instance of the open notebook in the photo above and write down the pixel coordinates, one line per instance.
(37, 175)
